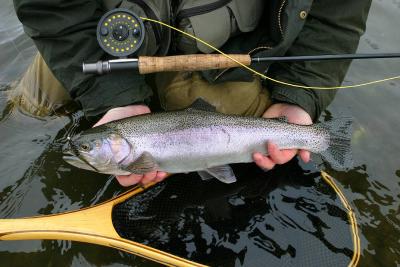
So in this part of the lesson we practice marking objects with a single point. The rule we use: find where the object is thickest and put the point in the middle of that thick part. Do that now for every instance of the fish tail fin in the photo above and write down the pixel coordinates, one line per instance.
(339, 154)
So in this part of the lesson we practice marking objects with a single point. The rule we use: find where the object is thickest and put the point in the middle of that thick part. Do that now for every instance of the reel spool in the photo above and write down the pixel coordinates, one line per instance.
(120, 32)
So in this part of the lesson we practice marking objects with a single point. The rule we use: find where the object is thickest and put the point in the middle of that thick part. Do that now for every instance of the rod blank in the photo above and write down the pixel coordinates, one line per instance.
(207, 61)
(323, 57)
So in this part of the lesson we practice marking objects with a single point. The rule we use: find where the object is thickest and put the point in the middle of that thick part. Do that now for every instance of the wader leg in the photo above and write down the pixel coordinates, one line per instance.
(178, 90)
(39, 93)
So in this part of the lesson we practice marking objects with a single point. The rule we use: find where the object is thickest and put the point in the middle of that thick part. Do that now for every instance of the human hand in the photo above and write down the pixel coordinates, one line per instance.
(294, 114)
(124, 112)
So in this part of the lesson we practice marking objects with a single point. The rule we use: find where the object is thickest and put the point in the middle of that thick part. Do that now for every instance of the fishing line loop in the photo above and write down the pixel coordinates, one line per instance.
(265, 77)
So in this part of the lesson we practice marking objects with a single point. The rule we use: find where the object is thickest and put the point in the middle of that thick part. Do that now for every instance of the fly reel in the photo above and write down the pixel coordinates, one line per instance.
(120, 32)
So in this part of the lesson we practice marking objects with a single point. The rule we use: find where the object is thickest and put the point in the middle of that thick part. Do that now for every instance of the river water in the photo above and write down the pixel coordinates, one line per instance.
(34, 180)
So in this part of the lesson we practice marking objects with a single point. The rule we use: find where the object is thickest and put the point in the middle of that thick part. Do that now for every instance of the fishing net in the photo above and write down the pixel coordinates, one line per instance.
(284, 217)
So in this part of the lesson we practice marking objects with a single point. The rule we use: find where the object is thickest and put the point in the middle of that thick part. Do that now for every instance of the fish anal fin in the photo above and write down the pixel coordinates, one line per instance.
(204, 175)
(201, 104)
(143, 164)
(224, 173)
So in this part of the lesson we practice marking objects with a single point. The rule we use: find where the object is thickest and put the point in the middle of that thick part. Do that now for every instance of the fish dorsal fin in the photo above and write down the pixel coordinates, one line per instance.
(282, 119)
(145, 163)
(224, 173)
(201, 104)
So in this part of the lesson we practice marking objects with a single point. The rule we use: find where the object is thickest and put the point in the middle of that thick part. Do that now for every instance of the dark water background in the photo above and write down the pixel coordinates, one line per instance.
(34, 180)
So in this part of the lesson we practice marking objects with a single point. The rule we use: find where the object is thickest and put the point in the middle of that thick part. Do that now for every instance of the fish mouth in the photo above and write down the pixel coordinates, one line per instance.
(68, 153)
(71, 155)
(75, 161)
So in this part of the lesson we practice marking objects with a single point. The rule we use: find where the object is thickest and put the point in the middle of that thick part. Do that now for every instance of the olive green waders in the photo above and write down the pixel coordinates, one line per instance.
(179, 90)
(39, 93)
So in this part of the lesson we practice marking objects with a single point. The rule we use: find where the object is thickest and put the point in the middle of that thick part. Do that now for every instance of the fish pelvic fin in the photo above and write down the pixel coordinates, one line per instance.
(224, 173)
(339, 153)
(145, 163)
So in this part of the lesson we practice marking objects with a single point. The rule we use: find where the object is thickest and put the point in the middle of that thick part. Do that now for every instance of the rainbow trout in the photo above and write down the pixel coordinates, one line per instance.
(200, 139)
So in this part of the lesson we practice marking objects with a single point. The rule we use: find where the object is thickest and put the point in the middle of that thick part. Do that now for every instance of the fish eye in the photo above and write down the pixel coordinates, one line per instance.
(84, 147)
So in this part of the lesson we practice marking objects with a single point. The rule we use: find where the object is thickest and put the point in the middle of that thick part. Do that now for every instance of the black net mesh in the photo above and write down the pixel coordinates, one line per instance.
(283, 217)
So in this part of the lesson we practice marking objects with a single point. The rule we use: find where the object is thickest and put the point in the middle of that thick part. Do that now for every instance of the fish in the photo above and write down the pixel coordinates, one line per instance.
(199, 139)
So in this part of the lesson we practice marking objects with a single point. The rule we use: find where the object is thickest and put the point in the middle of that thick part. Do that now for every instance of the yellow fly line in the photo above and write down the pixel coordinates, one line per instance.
(352, 218)
(265, 77)
(326, 177)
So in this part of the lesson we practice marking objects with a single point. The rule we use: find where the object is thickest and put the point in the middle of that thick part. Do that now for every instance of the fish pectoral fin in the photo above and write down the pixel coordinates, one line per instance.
(224, 173)
(201, 104)
(145, 163)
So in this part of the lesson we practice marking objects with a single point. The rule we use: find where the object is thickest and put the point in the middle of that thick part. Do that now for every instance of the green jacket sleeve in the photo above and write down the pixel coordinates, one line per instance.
(64, 32)
(331, 27)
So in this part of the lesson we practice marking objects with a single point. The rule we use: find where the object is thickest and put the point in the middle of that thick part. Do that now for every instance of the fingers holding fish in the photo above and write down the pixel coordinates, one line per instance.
(293, 113)
(132, 179)
(161, 176)
(275, 156)
(149, 177)
(280, 156)
(305, 155)
(128, 180)
(262, 161)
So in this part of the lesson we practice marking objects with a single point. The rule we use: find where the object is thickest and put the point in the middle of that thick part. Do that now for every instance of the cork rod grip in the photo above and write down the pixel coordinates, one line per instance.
(190, 62)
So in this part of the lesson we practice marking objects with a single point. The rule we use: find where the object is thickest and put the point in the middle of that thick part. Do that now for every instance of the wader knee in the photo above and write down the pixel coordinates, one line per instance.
(179, 90)
(39, 93)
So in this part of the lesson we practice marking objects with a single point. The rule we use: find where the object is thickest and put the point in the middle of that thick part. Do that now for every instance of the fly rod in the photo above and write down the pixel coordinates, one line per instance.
(199, 62)
(120, 33)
